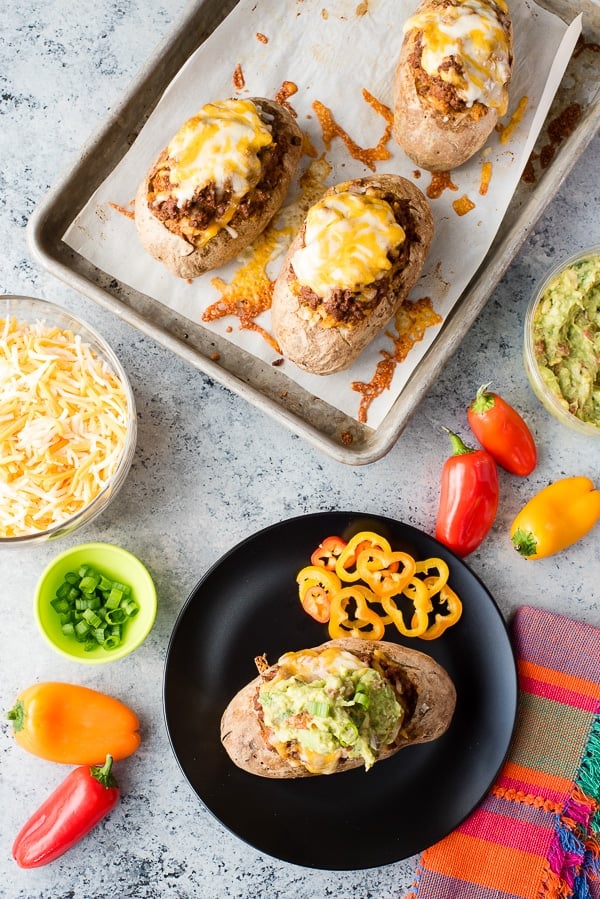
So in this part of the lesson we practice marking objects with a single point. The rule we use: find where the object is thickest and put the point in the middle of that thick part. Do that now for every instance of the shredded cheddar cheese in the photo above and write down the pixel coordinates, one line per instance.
(309, 665)
(471, 32)
(63, 424)
(219, 145)
(347, 240)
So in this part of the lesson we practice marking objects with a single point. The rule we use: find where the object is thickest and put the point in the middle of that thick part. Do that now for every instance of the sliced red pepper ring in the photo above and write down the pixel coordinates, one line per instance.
(316, 587)
(317, 603)
(351, 615)
(328, 552)
(443, 621)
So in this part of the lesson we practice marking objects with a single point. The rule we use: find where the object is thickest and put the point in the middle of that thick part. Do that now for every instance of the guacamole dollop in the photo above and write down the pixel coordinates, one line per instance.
(350, 711)
(566, 338)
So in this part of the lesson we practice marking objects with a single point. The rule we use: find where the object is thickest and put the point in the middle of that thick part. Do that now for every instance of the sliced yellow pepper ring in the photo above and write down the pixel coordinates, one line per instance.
(351, 616)
(443, 621)
(434, 582)
(417, 592)
(345, 566)
(376, 568)
(312, 575)
(376, 575)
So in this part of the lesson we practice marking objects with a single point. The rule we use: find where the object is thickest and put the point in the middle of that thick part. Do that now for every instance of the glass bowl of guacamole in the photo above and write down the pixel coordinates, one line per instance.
(562, 342)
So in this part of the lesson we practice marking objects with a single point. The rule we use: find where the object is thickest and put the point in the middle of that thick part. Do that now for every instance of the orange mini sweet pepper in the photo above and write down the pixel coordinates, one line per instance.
(556, 517)
(73, 725)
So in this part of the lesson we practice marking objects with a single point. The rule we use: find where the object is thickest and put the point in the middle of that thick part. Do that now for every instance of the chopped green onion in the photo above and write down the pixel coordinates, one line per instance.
(130, 607)
(116, 616)
(63, 590)
(88, 584)
(93, 609)
(92, 619)
(60, 604)
(349, 734)
(82, 628)
(361, 698)
(318, 709)
(111, 642)
(115, 596)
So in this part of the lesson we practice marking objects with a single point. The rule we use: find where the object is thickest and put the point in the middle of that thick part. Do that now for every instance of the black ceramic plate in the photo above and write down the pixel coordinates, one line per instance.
(247, 605)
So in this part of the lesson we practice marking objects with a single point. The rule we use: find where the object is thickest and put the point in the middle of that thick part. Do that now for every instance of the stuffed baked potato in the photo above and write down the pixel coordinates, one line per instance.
(451, 81)
(355, 259)
(378, 698)
(217, 184)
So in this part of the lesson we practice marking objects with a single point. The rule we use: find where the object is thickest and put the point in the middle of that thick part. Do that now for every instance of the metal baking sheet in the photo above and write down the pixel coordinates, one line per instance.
(342, 437)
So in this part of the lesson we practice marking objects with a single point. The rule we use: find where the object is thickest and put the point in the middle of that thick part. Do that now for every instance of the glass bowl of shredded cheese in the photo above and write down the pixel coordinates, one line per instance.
(67, 422)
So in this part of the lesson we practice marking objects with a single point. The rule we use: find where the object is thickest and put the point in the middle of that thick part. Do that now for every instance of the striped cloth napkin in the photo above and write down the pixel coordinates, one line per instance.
(536, 834)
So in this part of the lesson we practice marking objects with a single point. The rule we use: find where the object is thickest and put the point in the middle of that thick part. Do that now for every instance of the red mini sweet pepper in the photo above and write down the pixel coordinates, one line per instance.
(468, 498)
(502, 432)
(80, 802)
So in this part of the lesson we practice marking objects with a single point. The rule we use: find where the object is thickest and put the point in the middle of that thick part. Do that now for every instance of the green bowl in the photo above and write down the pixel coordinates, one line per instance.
(115, 563)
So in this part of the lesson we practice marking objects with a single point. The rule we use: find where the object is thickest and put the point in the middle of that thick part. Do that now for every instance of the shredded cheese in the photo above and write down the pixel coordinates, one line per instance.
(347, 240)
(63, 426)
(471, 32)
(309, 664)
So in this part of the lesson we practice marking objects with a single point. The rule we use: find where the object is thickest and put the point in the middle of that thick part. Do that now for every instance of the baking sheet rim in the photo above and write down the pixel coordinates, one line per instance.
(377, 441)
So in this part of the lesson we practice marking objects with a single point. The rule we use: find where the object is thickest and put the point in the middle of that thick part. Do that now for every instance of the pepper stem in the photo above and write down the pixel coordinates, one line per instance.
(458, 447)
(484, 400)
(102, 773)
(524, 542)
(17, 716)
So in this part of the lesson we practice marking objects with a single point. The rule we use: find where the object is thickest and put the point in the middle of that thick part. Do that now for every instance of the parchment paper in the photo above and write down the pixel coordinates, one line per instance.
(331, 53)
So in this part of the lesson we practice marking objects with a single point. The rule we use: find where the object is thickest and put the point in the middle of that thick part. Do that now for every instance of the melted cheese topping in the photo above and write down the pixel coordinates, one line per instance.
(63, 426)
(219, 145)
(347, 240)
(310, 665)
(469, 30)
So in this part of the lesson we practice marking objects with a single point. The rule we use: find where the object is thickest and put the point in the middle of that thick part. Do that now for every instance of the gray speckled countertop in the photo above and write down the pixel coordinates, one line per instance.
(210, 470)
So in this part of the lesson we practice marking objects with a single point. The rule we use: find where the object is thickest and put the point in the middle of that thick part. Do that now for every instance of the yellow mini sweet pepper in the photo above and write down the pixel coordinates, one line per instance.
(556, 517)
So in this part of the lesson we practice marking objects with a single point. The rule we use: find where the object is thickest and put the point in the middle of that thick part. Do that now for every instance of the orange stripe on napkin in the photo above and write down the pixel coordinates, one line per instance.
(535, 778)
(507, 870)
(559, 679)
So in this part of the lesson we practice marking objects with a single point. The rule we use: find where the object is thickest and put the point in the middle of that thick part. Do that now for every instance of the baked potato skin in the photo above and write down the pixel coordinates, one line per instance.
(185, 260)
(325, 350)
(432, 140)
(436, 700)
